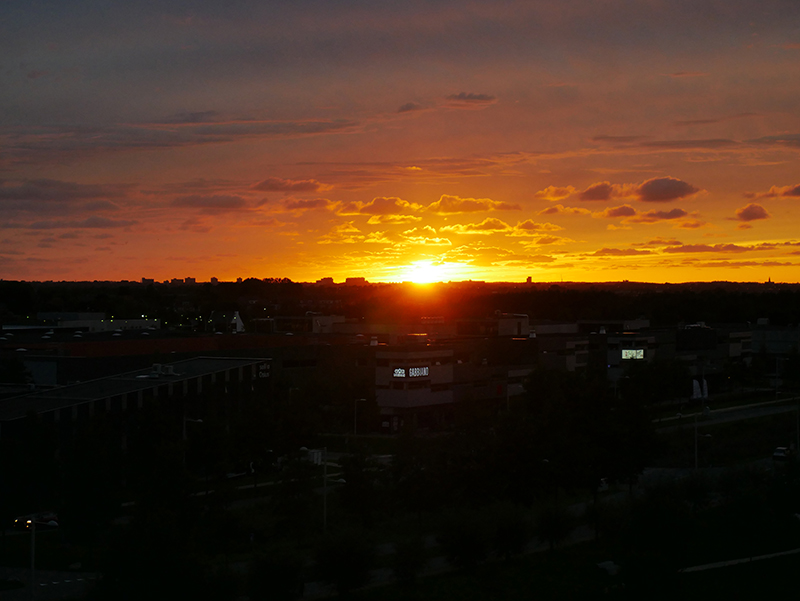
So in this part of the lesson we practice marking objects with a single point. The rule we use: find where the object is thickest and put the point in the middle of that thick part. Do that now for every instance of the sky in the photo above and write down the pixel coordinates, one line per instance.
(575, 140)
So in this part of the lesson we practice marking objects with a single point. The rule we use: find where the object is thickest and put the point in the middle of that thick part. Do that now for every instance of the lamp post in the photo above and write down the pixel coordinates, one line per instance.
(325, 489)
(194, 421)
(355, 414)
(695, 441)
(33, 558)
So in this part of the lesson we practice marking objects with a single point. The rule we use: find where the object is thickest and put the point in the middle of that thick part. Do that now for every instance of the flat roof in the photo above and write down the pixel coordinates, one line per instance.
(42, 401)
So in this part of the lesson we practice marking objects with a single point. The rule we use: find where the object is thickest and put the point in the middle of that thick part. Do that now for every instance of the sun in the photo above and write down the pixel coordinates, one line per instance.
(429, 272)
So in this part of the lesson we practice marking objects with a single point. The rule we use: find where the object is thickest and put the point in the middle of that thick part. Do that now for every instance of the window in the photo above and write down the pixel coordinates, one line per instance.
(419, 384)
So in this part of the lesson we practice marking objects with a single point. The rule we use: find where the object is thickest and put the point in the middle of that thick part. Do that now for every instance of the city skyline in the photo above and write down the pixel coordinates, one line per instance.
(435, 141)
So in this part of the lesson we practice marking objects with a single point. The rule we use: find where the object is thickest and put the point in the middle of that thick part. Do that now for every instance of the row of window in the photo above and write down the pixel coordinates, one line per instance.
(414, 385)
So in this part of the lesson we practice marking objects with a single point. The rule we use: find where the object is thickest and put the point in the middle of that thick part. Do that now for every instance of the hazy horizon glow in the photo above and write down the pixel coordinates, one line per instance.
(438, 140)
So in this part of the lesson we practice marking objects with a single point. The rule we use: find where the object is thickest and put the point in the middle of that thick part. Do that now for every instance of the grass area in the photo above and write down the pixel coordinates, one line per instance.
(51, 551)
(563, 575)
(728, 443)
(723, 401)
(572, 574)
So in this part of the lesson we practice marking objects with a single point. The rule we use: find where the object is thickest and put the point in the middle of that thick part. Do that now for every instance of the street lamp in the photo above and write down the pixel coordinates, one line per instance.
(355, 414)
(31, 521)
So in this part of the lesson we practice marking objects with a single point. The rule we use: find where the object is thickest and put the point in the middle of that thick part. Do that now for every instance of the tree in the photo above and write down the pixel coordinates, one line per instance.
(554, 525)
(511, 532)
(275, 579)
(345, 559)
(409, 559)
(464, 537)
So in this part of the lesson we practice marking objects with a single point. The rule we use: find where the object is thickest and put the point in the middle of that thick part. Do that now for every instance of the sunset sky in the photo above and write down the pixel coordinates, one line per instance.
(594, 140)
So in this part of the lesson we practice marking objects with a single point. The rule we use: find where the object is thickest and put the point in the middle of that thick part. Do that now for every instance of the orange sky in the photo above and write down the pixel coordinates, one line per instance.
(575, 140)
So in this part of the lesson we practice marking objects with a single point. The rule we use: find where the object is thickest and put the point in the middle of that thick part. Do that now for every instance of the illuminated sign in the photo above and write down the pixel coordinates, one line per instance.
(633, 353)
(413, 372)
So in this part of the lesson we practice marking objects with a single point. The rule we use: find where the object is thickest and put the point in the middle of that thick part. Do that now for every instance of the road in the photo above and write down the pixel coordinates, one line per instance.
(727, 414)
(50, 584)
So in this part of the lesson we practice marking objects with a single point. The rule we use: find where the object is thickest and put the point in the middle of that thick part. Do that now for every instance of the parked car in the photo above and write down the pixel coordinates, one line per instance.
(782, 454)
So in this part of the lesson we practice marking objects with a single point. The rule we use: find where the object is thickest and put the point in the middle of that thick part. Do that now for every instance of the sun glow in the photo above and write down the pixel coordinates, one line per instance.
(428, 272)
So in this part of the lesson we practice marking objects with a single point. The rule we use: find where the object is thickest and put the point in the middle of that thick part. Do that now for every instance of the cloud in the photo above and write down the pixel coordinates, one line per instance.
(427, 229)
(448, 204)
(665, 189)
(388, 205)
(393, 219)
(50, 190)
(738, 264)
(562, 210)
(417, 236)
(615, 212)
(409, 107)
(100, 205)
(631, 215)
(777, 192)
(377, 238)
(785, 140)
(344, 233)
(658, 241)
(618, 139)
(706, 248)
(598, 191)
(217, 203)
(620, 252)
(196, 117)
(533, 228)
(276, 184)
(297, 204)
(92, 222)
(553, 193)
(655, 216)
(48, 144)
(690, 224)
(490, 225)
(752, 212)
(549, 240)
(657, 189)
(692, 122)
(682, 74)
(466, 100)
(698, 144)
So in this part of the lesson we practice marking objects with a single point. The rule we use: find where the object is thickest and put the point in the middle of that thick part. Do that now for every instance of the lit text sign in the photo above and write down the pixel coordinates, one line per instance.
(413, 372)
(633, 353)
